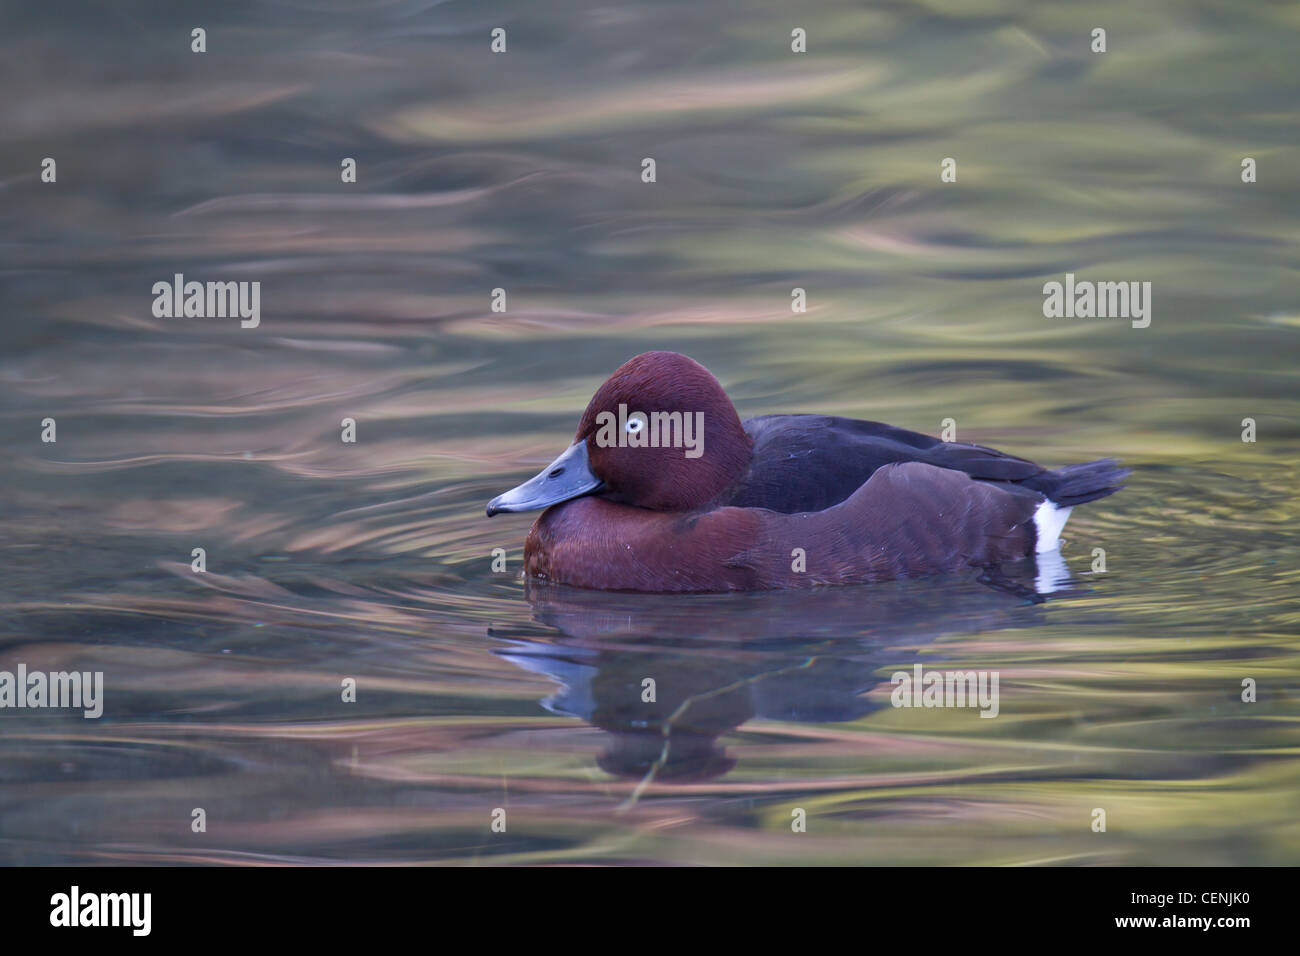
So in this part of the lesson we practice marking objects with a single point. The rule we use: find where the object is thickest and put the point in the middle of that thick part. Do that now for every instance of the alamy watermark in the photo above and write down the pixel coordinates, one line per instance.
(923, 688)
(75, 909)
(210, 300)
(78, 690)
(656, 430)
(1102, 300)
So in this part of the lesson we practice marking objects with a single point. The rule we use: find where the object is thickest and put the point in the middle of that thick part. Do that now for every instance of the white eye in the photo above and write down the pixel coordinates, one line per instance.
(633, 426)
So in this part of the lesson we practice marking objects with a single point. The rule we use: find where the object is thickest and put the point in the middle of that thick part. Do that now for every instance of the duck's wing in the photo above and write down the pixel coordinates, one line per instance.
(811, 462)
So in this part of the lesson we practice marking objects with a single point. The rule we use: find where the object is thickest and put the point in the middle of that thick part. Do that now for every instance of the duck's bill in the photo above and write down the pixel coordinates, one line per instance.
(569, 476)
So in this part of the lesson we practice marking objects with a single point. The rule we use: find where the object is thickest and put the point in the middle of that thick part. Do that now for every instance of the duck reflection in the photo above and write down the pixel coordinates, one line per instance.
(667, 675)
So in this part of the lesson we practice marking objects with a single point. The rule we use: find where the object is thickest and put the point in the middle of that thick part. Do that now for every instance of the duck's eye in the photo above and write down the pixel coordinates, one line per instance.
(634, 425)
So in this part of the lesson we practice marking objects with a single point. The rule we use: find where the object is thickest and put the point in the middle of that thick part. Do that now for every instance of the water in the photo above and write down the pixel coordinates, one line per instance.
(371, 560)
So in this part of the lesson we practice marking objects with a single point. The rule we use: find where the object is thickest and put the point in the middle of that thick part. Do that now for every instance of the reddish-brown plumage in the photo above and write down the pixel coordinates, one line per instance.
(891, 503)
(664, 479)
(906, 520)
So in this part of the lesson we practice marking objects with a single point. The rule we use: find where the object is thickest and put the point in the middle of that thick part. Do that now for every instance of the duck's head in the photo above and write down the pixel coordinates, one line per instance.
(659, 434)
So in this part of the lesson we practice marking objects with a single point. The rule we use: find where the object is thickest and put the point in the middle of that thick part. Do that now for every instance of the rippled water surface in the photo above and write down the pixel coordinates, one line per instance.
(521, 171)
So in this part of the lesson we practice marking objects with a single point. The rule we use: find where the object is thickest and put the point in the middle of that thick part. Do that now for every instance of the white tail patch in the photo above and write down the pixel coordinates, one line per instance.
(1049, 520)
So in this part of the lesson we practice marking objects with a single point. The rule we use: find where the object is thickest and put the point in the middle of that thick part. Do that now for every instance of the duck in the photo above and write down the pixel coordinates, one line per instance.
(665, 489)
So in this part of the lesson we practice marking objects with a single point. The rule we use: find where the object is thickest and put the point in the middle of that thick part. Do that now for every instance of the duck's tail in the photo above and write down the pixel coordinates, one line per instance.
(1066, 487)
(1079, 484)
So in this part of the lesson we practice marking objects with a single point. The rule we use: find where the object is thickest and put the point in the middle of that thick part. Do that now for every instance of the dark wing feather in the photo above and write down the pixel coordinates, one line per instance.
(811, 462)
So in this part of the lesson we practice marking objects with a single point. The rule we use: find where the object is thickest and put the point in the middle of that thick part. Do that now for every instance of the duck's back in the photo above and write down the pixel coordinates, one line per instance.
(811, 462)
